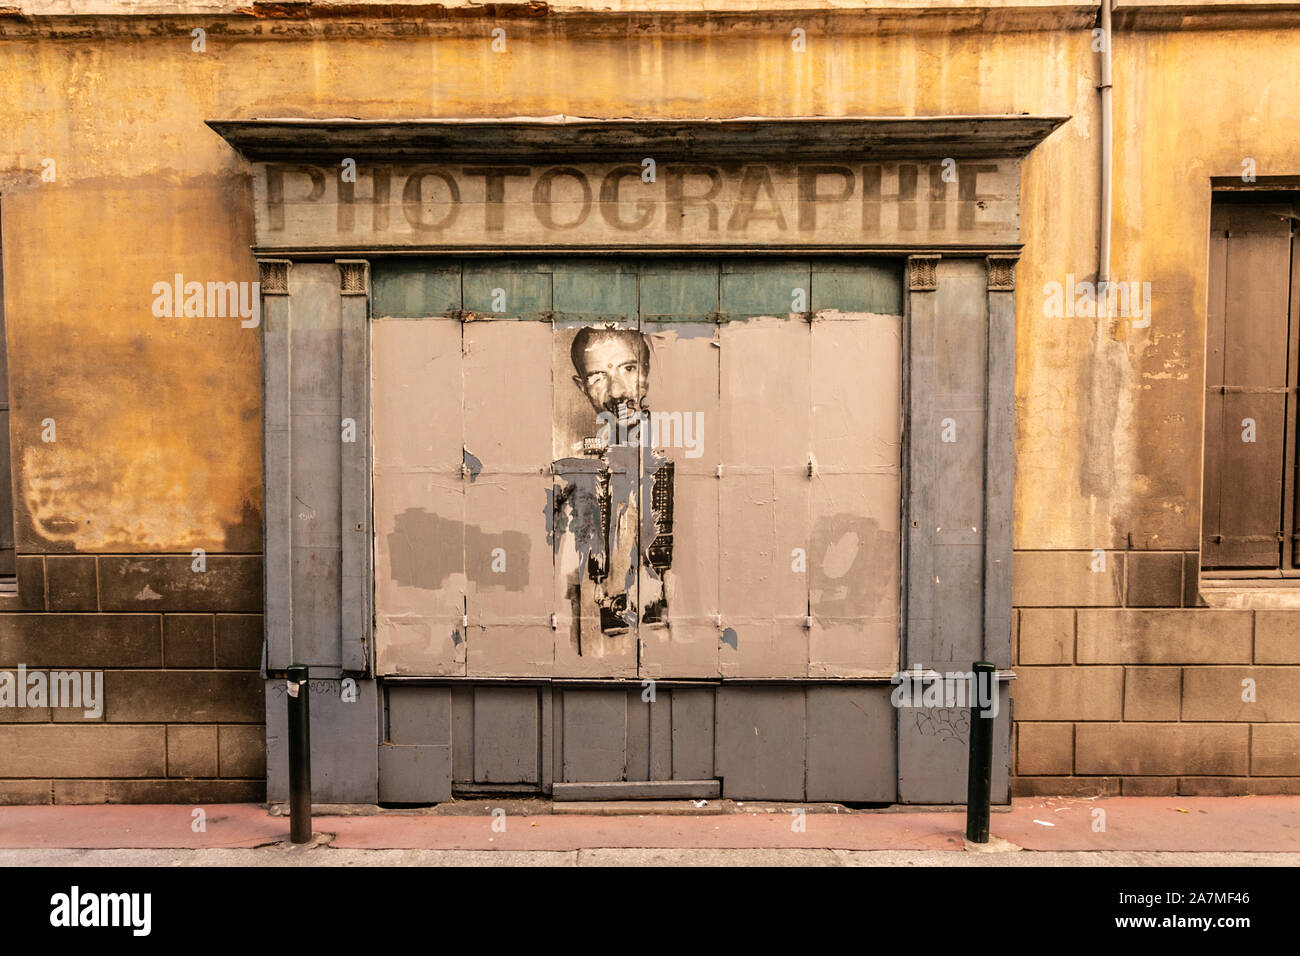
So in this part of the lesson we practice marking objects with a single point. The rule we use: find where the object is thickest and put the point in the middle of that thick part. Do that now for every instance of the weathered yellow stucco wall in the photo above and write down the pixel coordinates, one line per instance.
(158, 420)
(1188, 107)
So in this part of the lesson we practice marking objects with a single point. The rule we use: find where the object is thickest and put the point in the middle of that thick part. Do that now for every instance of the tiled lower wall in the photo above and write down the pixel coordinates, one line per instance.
(183, 712)
(1125, 686)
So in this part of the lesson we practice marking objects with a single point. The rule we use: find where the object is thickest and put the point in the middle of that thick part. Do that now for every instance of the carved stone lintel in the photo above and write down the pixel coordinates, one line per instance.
(1002, 273)
(354, 276)
(922, 273)
(273, 276)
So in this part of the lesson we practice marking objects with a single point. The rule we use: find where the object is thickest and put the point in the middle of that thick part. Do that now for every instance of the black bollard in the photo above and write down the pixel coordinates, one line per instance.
(979, 776)
(299, 755)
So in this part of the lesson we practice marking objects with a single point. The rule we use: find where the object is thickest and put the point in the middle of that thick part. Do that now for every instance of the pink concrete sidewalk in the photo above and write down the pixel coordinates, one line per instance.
(1255, 824)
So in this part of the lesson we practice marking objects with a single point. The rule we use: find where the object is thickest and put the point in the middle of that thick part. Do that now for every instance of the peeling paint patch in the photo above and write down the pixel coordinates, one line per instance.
(472, 465)
(731, 639)
(682, 330)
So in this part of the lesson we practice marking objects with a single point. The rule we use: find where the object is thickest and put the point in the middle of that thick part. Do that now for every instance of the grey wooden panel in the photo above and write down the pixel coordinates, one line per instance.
(959, 469)
(851, 753)
(692, 732)
(506, 735)
(759, 747)
(414, 774)
(462, 733)
(277, 488)
(557, 734)
(661, 736)
(1256, 285)
(316, 561)
(315, 370)
(999, 481)
(638, 737)
(595, 735)
(344, 742)
(934, 753)
(419, 715)
(354, 467)
(547, 751)
(1250, 512)
(957, 633)
(639, 790)
(960, 355)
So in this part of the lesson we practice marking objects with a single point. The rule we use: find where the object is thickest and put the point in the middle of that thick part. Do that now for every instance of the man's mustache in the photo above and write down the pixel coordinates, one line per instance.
(623, 409)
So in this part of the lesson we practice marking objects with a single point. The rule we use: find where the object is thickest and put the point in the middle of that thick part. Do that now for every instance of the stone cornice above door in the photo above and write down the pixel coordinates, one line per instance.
(572, 139)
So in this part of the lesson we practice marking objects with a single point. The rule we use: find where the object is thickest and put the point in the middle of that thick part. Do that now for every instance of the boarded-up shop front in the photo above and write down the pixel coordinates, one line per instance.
(634, 459)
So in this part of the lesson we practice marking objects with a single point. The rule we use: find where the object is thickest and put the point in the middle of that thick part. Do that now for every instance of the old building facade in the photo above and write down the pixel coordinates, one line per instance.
(614, 400)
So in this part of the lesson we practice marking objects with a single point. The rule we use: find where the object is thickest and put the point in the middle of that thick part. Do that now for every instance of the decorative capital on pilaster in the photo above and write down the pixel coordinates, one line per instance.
(273, 276)
(354, 276)
(922, 273)
(1002, 273)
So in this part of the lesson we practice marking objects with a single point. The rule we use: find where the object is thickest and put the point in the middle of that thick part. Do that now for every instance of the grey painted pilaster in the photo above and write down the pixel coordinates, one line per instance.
(1000, 461)
(354, 468)
(276, 488)
(317, 465)
(918, 566)
(315, 425)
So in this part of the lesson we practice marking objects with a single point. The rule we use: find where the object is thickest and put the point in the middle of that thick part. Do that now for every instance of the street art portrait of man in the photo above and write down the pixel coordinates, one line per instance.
(613, 495)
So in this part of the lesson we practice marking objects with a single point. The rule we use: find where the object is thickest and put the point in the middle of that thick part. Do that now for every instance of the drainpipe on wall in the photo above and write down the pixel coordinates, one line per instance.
(1103, 250)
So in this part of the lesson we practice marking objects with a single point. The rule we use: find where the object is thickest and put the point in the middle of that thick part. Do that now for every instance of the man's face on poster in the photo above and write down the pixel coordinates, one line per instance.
(611, 371)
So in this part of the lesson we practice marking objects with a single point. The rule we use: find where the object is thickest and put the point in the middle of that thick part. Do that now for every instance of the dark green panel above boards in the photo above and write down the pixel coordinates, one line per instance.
(509, 288)
(628, 290)
(415, 288)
